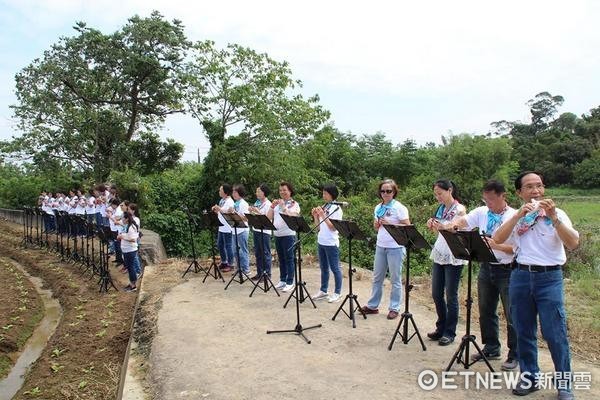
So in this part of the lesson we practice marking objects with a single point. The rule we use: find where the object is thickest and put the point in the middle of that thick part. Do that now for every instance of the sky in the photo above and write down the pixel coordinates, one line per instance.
(410, 69)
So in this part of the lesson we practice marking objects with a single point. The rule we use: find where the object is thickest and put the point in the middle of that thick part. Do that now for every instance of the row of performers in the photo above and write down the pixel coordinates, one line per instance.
(528, 242)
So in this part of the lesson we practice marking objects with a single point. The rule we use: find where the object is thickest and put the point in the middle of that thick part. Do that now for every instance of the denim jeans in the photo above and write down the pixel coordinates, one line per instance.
(445, 279)
(225, 245)
(534, 294)
(387, 259)
(329, 258)
(285, 253)
(244, 258)
(262, 252)
(492, 285)
(129, 262)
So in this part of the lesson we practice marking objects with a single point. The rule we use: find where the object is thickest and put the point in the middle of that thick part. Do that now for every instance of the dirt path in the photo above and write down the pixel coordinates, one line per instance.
(212, 344)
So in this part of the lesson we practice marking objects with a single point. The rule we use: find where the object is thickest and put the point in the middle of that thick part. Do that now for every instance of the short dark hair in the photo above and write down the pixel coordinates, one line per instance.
(332, 190)
(446, 184)
(494, 186)
(519, 178)
(227, 189)
(288, 185)
(115, 201)
(388, 182)
(133, 207)
(265, 189)
(240, 189)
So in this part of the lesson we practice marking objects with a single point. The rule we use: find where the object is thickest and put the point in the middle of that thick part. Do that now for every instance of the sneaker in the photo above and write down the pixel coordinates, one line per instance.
(445, 341)
(280, 285)
(288, 288)
(255, 277)
(490, 356)
(523, 388)
(367, 310)
(130, 288)
(334, 298)
(393, 314)
(434, 335)
(510, 364)
(565, 395)
(320, 295)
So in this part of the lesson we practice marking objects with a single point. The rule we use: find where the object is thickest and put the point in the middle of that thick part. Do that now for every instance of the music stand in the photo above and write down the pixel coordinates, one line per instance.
(235, 221)
(410, 238)
(104, 234)
(299, 225)
(262, 222)
(210, 221)
(468, 245)
(194, 263)
(351, 231)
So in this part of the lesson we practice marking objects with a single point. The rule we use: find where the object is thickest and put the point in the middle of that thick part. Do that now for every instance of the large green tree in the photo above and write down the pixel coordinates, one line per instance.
(92, 93)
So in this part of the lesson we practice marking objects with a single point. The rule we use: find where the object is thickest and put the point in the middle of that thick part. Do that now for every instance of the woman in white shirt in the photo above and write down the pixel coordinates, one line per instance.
(262, 241)
(389, 255)
(446, 270)
(328, 244)
(129, 247)
(224, 237)
(284, 236)
(240, 207)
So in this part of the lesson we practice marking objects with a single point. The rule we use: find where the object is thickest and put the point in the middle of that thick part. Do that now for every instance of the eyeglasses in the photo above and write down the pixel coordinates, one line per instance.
(388, 191)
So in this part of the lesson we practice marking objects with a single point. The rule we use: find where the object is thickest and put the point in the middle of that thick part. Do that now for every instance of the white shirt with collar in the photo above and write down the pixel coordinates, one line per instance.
(478, 218)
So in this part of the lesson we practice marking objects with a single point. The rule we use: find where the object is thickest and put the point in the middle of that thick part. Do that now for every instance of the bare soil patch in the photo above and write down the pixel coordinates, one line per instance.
(83, 358)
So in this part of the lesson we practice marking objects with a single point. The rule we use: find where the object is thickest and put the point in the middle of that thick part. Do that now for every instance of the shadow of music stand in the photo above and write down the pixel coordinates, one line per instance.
(210, 221)
(262, 222)
(194, 263)
(410, 238)
(235, 221)
(468, 245)
(351, 231)
(298, 224)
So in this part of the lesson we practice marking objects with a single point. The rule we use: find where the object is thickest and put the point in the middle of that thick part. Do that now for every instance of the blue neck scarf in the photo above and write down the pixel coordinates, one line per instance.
(494, 221)
(383, 208)
(236, 205)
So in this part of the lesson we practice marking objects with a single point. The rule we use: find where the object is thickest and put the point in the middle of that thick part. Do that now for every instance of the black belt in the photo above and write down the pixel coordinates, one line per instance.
(538, 268)
(502, 266)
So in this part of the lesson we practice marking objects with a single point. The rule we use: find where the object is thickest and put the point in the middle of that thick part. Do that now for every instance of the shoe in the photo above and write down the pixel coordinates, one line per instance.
(288, 288)
(227, 269)
(445, 341)
(489, 356)
(368, 310)
(523, 388)
(565, 395)
(130, 288)
(434, 335)
(255, 277)
(393, 314)
(280, 285)
(320, 295)
(334, 298)
(223, 266)
(510, 364)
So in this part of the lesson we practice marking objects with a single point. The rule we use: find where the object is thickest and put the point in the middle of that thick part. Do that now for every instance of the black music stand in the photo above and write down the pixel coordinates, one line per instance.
(104, 234)
(468, 245)
(262, 222)
(351, 231)
(235, 221)
(194, 263)
(299, 225)
(210, 221)
(410, 238)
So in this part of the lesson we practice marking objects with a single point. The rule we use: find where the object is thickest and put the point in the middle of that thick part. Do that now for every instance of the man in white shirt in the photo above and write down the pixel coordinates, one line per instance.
(225, 237)
(540, 232)
(493, 278)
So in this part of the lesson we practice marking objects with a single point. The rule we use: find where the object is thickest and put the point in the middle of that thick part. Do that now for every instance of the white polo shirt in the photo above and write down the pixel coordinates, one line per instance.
(263, 208)
(478, 218)
(241, 209)
(541, 245)
(395, 213)
(226, 206)
(328, 236)
(282, 229)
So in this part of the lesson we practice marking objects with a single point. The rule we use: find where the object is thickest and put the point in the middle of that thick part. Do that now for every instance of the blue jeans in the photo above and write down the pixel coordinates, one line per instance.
(492, 285)
(329, 258)
(446, 278)
(262, 252)
(225, 245)
(130, 259)
(285, 253)
(244, 259)
(533, 294)
(387, 259)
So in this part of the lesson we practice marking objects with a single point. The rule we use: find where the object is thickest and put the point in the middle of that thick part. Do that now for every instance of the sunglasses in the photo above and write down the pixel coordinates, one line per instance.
(388, 191)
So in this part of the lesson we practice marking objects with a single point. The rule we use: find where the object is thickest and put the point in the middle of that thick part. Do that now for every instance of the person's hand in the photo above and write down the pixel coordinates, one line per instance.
(548, 206)
(492, 243)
